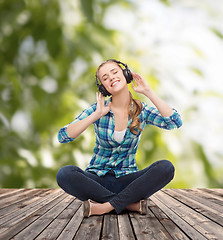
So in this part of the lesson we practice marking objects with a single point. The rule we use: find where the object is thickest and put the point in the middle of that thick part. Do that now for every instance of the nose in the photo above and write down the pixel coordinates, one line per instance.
(111, 76)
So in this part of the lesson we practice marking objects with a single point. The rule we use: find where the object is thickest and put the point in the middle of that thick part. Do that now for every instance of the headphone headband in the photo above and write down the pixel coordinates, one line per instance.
(118, 62)
(126, 72)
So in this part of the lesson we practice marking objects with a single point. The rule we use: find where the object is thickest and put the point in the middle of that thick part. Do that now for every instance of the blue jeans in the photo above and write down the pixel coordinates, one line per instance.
(119, 192)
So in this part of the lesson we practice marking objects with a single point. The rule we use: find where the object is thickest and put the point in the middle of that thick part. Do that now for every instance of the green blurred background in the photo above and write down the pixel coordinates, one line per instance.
(50, 50)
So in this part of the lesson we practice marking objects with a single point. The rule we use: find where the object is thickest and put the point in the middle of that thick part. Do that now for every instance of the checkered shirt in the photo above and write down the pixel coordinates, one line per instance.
(111, 155)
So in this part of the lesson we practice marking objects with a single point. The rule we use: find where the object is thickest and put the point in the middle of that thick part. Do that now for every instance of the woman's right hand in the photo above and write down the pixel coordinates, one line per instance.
(101, 109)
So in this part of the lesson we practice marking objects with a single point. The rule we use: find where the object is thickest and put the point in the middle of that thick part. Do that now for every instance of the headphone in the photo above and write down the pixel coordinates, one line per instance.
(126, 72)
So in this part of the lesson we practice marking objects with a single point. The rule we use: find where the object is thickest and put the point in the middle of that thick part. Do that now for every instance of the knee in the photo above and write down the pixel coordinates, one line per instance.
(168, 169)
(61, 174)
(64, 173)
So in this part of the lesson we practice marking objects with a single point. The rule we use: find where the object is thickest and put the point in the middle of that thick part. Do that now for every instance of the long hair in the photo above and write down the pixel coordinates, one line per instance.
(133, 111)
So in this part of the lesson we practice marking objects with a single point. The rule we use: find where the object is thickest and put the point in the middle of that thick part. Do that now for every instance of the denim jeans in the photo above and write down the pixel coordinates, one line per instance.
(119, 192)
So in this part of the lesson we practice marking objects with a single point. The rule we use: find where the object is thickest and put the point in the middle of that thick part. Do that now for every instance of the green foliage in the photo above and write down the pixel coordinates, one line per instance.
(49, 53)
(38, 95)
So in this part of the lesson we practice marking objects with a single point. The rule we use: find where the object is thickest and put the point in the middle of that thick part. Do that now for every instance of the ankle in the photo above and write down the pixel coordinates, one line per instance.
(134, 207)
(100, 208)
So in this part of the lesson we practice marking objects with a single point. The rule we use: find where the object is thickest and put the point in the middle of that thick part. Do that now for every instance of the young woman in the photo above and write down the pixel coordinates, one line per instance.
(112, 180)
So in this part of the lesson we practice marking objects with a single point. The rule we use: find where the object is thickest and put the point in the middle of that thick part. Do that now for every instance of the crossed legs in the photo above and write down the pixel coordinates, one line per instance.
(134, 186)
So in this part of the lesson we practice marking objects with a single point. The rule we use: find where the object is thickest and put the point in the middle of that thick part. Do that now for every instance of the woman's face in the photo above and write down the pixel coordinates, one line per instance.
(111, 76)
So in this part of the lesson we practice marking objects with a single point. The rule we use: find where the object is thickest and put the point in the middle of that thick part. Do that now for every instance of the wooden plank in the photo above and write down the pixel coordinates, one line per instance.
(197, 204)
(54, 229)
(18, 196)
(33, 230)
(172, 214)
(70, 230)
(217, 191)
(110, 227)
(10, 192)
(33, 217)
(174, 231)
(201, 199)
(214, 191)
(199, 222)
(3, 190)
(209, 196)
(90, 228)
(32, 197)
(8, 229)
(17, 216)
(180, 222)
(125, 228)
(148, 227)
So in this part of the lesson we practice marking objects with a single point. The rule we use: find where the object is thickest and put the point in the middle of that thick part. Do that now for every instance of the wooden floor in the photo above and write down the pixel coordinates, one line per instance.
(52, 214)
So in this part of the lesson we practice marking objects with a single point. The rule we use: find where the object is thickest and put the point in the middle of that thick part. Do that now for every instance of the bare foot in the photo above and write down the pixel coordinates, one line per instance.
(100, 208)
(134, 207)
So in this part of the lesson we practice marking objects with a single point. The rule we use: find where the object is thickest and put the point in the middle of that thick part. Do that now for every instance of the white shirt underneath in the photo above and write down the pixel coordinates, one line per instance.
(119, 135)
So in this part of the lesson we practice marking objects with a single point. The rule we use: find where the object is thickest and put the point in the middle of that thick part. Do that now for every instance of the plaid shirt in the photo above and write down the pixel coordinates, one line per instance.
(111, 155)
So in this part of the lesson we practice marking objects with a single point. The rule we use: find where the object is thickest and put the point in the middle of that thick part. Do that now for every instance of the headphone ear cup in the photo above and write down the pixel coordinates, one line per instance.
(128, 75)
(104, 91)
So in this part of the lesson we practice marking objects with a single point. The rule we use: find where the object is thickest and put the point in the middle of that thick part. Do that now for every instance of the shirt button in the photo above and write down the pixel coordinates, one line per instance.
(173, 117)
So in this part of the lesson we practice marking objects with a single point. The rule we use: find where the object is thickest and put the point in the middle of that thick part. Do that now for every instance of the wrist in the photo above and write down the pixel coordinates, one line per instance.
(149, 93)
(95, 116)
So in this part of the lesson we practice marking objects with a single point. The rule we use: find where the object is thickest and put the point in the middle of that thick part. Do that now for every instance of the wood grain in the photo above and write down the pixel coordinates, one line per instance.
(179, 214)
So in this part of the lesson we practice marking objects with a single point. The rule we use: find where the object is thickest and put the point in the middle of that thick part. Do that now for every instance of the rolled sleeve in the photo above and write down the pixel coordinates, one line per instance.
(173, 121)
(153, 117)
(63, 136)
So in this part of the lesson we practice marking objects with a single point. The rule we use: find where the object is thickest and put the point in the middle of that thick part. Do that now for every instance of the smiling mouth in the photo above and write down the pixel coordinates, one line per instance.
(114, 83)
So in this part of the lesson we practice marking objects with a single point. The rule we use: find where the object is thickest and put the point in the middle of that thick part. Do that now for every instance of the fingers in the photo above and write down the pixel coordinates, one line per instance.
(101, 108)
(109, 105)
(98, 96)
(100, 99)
(133, 87)
(136, 77)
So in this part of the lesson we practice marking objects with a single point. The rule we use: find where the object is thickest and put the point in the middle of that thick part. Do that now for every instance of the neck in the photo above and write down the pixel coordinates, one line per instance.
(121, 101)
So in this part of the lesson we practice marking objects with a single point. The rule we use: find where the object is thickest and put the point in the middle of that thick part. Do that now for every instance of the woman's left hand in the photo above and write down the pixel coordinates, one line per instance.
(142, 85)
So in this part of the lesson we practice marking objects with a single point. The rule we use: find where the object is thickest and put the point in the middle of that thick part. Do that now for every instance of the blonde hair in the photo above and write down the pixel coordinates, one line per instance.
(133, 111)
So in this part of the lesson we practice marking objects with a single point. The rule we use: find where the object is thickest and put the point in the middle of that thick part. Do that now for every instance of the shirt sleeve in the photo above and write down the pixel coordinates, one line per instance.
(153, 117)
(63, 136)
